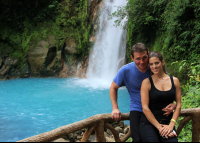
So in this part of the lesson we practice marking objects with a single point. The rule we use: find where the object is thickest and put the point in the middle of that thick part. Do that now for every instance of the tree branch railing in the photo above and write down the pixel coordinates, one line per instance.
(97, 123)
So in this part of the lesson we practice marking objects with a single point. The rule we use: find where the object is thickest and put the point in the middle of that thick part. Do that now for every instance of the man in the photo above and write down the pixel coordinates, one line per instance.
(131, 76)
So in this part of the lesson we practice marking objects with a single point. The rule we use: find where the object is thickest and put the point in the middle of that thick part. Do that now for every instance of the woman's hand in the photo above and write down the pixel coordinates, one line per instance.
(172, 134)
(166, 131)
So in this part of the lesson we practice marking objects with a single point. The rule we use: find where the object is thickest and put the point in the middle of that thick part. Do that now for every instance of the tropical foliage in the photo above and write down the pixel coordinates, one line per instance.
(24, 23)
(172, 28)
(191, 92)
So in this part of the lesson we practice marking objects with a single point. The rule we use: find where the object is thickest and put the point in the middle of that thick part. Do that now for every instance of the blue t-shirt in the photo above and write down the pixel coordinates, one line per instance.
(132, 78)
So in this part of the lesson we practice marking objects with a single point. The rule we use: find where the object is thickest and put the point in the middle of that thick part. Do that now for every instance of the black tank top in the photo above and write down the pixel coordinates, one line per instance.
(159, 100)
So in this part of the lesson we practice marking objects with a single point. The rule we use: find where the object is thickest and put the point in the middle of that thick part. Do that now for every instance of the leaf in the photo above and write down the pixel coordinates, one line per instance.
(51, 6)
(180, 68)
(193, 71)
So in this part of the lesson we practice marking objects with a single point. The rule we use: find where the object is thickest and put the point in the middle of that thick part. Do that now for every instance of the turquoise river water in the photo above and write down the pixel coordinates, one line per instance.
(32, 106)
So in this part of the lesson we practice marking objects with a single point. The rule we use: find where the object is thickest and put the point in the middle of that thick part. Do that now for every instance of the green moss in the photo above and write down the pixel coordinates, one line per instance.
(66, 19)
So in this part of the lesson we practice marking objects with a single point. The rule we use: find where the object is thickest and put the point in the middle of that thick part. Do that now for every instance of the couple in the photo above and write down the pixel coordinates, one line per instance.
(152, 93)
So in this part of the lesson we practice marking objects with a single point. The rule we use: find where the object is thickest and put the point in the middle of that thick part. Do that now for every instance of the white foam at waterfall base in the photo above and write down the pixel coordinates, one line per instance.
(108, 53)
(93, 83)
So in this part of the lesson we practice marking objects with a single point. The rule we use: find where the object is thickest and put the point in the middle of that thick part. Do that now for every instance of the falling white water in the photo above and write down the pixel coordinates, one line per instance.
(108, 53)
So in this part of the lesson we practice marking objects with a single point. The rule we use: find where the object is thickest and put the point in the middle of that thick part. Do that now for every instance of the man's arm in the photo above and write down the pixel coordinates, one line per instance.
(169, 109)
(116, 114)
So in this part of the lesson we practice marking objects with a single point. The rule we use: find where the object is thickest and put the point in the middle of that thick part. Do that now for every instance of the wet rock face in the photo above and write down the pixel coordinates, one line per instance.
(74, 67)
(45, 58)
(36, 56)
(70, 46)
(8, 63)
(93, 7)
(95, 10)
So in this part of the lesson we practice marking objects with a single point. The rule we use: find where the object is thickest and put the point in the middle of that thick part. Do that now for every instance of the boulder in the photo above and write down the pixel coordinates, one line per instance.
(61, 140)
(70, 46)
(119, 130)
(121, 135)
(4, 69)
(92, 138)
(36, 56)
(108, 139)
(79, 137)
(51, 42)
(109, 132)
(10, 61)
(44, 55)
(71, 136)
(7, 65)
(126, 130)
(75, 136)
(57, 58)
(121, 124)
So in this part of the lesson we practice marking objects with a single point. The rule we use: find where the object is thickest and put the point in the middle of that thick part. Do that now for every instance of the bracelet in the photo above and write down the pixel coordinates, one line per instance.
(173, 121)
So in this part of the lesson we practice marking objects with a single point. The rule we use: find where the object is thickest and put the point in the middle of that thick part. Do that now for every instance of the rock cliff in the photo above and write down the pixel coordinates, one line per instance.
(45, 59)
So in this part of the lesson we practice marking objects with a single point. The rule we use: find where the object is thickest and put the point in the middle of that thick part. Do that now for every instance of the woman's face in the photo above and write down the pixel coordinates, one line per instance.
(156, 65)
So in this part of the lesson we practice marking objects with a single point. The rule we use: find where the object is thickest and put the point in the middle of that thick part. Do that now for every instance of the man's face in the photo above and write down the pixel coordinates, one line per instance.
(141, 60)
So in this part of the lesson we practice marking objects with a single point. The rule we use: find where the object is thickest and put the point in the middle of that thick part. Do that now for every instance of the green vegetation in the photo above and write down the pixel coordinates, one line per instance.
(172, 25)
(191, 92)
(24, 23)
(172, 28)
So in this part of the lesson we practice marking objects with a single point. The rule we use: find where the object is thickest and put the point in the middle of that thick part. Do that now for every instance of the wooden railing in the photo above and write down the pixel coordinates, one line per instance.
(97, 123)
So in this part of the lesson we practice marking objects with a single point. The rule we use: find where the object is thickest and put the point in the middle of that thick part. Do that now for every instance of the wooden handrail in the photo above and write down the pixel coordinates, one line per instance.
(98, 122)
(193, 114)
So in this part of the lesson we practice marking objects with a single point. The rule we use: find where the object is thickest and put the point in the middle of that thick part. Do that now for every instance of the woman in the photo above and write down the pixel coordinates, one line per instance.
(157, 92)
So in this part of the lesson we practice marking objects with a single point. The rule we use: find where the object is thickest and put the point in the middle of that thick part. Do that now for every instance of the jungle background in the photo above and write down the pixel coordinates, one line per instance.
(170, 27)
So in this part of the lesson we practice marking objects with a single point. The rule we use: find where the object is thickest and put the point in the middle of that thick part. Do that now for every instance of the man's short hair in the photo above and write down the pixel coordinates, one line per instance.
(138, 47)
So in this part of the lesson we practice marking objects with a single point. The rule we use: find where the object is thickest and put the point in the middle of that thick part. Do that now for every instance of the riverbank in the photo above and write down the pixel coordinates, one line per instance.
(120, 127)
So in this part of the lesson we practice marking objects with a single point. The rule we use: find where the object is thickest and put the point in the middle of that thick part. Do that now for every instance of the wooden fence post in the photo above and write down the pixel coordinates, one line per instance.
(196, 128)
(99, 131)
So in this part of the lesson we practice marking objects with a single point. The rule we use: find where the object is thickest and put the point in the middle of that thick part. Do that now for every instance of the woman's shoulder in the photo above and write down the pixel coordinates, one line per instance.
(146, 84)
(176, 80)
(146, 81)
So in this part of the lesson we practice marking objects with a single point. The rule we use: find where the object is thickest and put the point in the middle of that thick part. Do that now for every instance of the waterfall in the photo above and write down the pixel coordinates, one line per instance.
(108, 53)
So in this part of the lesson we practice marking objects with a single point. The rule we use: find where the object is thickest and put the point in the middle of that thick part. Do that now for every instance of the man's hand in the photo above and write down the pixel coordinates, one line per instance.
(169, 109)
(116, 115)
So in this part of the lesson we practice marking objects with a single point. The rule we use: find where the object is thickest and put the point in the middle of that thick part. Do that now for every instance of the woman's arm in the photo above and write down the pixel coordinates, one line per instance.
(169, 129)
(145, 88)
